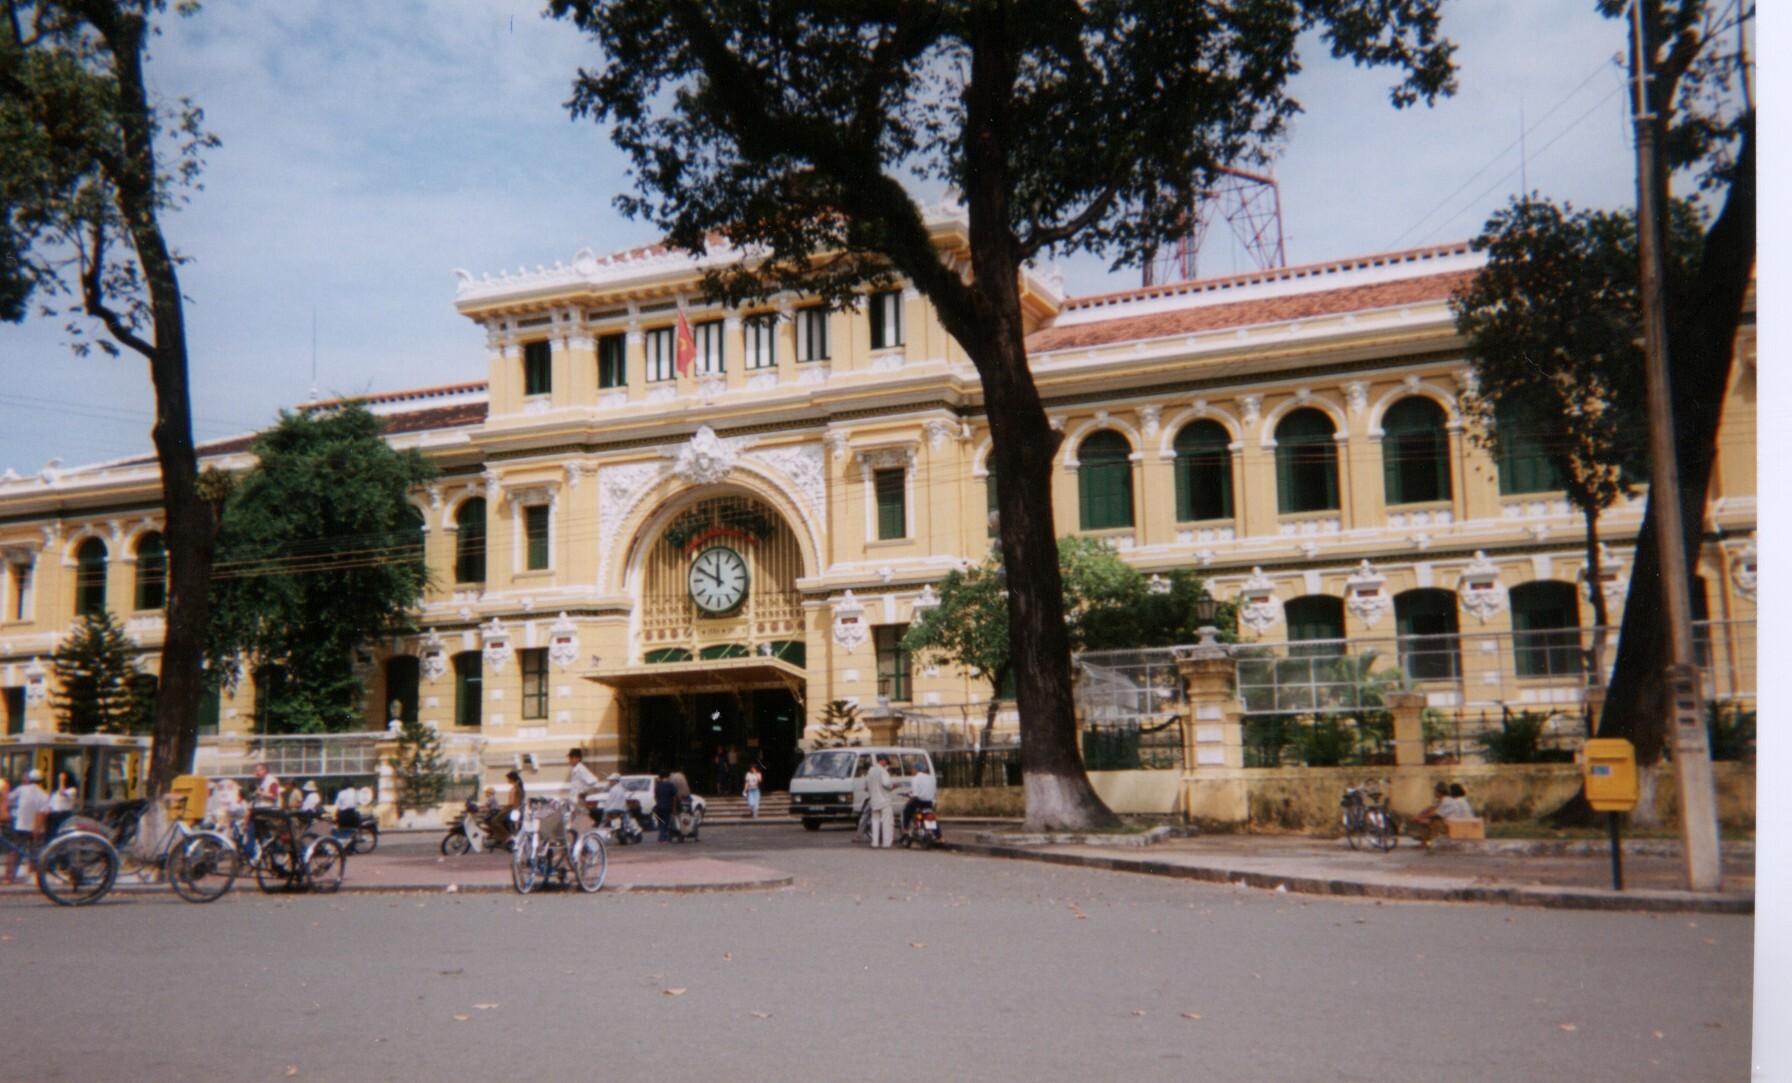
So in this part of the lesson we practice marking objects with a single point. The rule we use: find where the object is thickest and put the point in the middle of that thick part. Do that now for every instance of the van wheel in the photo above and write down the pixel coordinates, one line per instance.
(811, 825)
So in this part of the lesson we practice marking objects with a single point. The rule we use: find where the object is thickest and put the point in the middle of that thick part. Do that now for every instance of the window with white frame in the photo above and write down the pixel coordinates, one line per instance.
(535, 533)
(710, 359)
(886, 319)
(662, 355)
(612, 361)
(760, 335)
(812, 334)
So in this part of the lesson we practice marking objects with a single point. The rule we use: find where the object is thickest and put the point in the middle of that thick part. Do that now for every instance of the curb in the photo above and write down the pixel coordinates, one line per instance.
(1547, 898)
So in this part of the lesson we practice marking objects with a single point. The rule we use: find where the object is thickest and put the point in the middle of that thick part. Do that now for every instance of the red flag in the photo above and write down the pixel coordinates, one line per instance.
(685, 348)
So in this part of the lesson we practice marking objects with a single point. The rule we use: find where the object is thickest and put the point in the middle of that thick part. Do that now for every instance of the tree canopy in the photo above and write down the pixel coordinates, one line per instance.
(803, 133)
(92, 161)
(319, 554)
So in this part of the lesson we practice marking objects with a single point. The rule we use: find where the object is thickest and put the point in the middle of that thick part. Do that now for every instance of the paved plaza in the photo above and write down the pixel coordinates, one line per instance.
(868, 965)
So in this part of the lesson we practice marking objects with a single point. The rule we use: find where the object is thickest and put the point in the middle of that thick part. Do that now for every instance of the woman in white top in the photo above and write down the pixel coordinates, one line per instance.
(753, 779)
(64, 797)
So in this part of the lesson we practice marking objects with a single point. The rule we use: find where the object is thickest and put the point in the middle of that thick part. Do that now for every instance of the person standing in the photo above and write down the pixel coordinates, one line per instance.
(754, 777)
(665, 805)
(31, 807)
(877, 798)
(580, 781)
(267, 788)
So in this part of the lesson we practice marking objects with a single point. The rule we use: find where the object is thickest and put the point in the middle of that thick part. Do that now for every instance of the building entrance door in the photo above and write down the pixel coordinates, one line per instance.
(699, 733)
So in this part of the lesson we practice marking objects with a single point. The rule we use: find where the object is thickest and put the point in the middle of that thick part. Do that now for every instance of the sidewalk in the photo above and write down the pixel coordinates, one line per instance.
(1577, 878)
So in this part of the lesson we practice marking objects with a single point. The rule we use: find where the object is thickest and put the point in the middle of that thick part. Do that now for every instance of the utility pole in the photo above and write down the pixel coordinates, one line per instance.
(1686, 736)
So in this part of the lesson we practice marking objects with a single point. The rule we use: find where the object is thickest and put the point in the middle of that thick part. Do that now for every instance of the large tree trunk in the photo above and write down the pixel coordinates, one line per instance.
(189, 527)
(1058, 792)
(1703, 318)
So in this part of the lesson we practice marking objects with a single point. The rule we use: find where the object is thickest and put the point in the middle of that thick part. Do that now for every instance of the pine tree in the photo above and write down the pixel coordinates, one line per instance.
(99, 688)
(422, 770)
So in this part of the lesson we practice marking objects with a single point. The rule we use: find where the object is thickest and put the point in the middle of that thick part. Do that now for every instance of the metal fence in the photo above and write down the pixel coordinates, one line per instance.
(956, 768)
(1486, 695)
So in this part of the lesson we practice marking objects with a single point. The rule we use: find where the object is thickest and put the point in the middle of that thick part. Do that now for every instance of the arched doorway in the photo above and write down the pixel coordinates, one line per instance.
(717, 680)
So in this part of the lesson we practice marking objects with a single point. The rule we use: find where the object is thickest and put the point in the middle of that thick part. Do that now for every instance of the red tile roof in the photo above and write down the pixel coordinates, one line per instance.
(1299, 306)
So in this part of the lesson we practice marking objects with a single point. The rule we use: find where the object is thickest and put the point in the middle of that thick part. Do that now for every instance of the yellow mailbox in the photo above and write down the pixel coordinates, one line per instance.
(1608, 769)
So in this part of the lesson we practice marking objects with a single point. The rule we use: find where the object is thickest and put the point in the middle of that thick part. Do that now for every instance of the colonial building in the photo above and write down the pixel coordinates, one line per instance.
(656, 562)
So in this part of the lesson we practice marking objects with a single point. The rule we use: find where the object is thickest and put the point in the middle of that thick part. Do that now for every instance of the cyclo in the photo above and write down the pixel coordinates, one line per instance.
(547, 849)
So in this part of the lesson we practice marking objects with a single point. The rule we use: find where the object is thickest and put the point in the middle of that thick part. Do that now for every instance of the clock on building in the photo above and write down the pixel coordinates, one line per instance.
(718, 580)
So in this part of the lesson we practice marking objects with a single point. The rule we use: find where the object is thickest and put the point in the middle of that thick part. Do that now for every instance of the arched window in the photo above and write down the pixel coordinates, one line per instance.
(1425, 621)
(1523, 466)
(1203, 472)
(1415, 452)
(152, 572)
(1316, 620)
(1546, 629)
(1104, 481)
(90, 578)
(403, 681)
(1306, 463)
(469, 542)
(469, 688)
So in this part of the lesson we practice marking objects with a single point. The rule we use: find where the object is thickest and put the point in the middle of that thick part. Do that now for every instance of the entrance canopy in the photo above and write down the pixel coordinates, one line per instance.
(701, 675)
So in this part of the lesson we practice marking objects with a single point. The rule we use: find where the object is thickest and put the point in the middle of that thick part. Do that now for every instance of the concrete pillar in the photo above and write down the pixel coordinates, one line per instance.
(1214, 788)
(1409, 730)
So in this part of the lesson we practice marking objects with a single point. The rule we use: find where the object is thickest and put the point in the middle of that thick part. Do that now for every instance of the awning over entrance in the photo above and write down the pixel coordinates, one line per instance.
(701, 675)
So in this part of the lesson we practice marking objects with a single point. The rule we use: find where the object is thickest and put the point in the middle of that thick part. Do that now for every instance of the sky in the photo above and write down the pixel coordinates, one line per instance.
(367, 151)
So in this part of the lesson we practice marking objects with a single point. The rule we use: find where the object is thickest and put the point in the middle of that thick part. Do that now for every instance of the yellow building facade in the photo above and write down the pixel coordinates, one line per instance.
(658, 563)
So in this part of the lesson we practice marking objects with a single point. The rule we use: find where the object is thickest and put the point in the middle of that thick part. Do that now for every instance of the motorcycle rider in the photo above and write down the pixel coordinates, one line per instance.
(616, 808)
(923, 788)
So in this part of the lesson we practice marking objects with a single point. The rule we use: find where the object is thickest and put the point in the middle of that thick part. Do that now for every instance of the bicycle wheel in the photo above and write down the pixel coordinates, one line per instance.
(202, 868)
(324, 864)
(590, 861)
(522, 865)
(1382, 833)
(455, 845)
(1353, 829)
(366, 838)
(77, 869)
(278, 867)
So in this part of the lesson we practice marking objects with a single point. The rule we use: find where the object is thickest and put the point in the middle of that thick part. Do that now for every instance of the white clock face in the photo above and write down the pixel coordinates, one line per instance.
(718, 580)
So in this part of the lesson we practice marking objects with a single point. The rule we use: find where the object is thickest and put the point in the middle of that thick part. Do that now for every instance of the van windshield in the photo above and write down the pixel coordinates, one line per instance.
(826, 765)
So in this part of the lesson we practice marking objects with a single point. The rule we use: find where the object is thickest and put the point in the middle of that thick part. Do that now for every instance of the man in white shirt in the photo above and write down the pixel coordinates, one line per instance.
(877, 798)
(31, 804)
(922, 789)
(579, 781)
(267, 788)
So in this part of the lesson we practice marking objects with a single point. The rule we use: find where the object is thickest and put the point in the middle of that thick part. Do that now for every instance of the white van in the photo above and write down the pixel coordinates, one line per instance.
(830, 782)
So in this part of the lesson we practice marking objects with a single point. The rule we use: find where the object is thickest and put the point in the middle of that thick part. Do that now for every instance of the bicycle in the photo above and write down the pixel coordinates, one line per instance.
(1367, 819)
(285, 859)
(74, 867)
(546, 850)
(201, 866)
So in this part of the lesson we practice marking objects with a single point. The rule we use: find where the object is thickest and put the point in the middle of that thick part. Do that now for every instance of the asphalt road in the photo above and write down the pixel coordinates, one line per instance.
(876, 965)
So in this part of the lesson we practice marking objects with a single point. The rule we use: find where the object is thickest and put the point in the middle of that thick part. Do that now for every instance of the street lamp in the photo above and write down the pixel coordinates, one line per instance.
(1206, 611)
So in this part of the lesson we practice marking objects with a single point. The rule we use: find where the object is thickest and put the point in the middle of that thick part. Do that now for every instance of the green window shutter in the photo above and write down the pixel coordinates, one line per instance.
(612, 361)
(1415, 452)
(1306, 463)
(90, 578)
(152, 572)
(1203, 472)
(211, 708)
(469, 542)
(1523, 466)
(469, 688)
(1104, 481)
(535, 682)
(535, 525)
(1545, 629)
(892, 503)
(538, 368)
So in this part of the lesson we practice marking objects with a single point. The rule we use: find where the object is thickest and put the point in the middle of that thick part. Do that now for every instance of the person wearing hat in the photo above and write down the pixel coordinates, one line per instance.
(313, 801)
(31, 806)
(616, 815)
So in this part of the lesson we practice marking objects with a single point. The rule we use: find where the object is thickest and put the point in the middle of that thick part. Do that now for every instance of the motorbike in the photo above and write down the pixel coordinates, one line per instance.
(468, 833)
(356, 833)
(923, 829)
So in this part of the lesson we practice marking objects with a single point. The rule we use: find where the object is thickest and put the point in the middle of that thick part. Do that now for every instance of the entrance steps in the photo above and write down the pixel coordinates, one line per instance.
(774, 807)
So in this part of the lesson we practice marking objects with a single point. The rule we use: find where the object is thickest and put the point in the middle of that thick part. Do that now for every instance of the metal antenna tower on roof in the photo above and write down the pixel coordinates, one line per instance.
(1248, 203)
